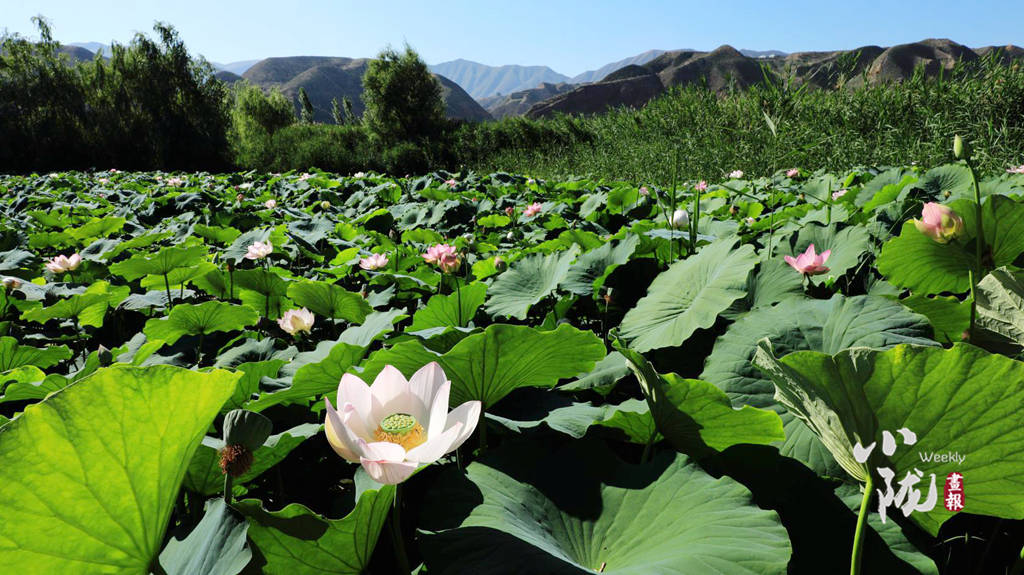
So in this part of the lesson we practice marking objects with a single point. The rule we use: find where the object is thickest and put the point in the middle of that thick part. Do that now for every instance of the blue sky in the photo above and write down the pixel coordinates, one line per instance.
(569, 36)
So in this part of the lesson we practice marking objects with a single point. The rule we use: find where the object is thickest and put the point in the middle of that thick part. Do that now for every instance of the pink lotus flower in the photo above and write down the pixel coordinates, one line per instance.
(939, 223)
(644, 191)
(532, 209)
(305, 176)
(509, 210)
(736, 174)
(1017, 170)
(396, 425)
(115, 171)
(259, 250)
(296, 321)
(809, 262)
(270, 204)
(792, 173)
(62, 263)
(443, 256)
(451, 183)
(838, 194)
(702, 186)
(373, 262)
(104, 181)
(175, 182)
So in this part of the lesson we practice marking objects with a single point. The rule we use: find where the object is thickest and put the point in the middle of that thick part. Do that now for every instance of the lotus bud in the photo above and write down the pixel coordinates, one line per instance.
(732, 210)
(680, 219)
(958, 147)
(239, 197)
(509, 211)
(325, 205)
(608, 296)
(106, 358)
(510, 236)
(939, 223)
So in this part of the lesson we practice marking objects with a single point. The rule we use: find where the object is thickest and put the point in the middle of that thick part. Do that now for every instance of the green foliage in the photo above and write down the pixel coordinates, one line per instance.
(403, 100)
(256, 116)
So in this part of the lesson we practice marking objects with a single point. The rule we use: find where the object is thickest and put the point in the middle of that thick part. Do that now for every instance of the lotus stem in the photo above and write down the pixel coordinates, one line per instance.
(228, 484)
(167, 286)
(979, 243)
(458, 298)
(646, 455)
(862, 519)
(396, 533)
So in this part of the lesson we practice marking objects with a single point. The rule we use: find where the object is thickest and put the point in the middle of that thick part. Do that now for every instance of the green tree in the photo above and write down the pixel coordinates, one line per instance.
(306, 106)
(336, 113)
(255, 117)
(403, 99)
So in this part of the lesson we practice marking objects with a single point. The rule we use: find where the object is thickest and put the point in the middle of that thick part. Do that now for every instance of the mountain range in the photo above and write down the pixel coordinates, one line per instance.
(474, 91)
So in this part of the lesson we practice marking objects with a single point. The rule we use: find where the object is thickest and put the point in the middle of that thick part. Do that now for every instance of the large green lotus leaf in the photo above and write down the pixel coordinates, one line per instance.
(314, 379)
(252, 373)
(961, 400)
(487, 366)
(238, 248)
(23, 384)
(688, 296)
(802, 324)
(695, 416)
(530, 408)
(296, 541)
(1001, 305)
(374, 326)
(88, 308)
(454, 310)
(329, 300)
(590, 271)
(949, 316)
(177, 276)
(161, 263)
(603, 377)
(528, 281)
(89, 476)
(215, 547)
(262, 290)
(580, 510)
(915, 261)
(205, 318)
(96, 228)
(204, 475)
(847, 245)
(13, 355)
(952, 178)
(774, 281)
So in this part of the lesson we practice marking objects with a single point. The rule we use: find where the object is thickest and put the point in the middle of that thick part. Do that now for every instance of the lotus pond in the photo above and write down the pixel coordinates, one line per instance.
(463, 373)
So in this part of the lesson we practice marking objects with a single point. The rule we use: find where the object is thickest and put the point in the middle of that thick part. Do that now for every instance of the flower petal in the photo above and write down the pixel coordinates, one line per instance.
(468, 414)
(354, 390)
(438, 417)
(824, 255)
(342, 440)
(434, 448)
(391, 394)
(424, 384)
(385, 462)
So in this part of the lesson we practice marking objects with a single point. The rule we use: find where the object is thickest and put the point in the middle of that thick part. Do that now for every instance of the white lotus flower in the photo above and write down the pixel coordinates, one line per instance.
(270, 204)
(259, 250)
(295, 321)
(62, 263)
(395, 426)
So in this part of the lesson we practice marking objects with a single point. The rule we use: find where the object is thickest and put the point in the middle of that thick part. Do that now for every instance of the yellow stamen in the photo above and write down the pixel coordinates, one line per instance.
(400, 428)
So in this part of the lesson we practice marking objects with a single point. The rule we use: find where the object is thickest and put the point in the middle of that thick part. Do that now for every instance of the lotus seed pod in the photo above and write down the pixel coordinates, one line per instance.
(235, 460)
(246, 428)
(325, 205)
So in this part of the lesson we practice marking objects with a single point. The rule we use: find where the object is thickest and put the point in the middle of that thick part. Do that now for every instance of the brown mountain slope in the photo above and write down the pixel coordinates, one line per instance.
(518, 103)
(326, 78)
(599, 96)
(899, 62)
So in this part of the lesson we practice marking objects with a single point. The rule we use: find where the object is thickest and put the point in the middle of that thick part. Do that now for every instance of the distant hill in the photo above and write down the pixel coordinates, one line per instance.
(596, 75)
(518, 103)
(763, 53)
(482, 81)
(326, 78)
(77, 53)
(727, 68)
(237, 68)
(93, 47)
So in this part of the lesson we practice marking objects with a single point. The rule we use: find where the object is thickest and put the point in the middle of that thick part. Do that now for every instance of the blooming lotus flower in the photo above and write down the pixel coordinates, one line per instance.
(62, 263)
(1017, 170)
(305, 176)
(10, 283)
(702, 186)
(809, 262)
(359, 175)
(451, 183)
(174, 182)
(245, 185)
(939, 223)
(644, 191)
(750, 221)
(838, 194)
(736, 174)
(373, 262)
(270, 204)
(396, 425)
(115, 171)
(259, 250)
(104, 181)
(532, 209)
(296, 321)
(443, 256)
(792, 173)
(680, 219)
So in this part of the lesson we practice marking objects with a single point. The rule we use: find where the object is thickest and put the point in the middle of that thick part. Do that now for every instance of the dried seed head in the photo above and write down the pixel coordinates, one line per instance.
(235, 460)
